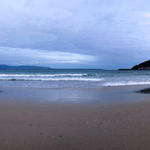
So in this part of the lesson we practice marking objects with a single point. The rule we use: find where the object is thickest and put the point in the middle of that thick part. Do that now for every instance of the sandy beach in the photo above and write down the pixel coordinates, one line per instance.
(74, 74)
(31, 125)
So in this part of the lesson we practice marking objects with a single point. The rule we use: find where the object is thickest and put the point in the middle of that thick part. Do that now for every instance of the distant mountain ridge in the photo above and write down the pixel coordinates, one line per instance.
(23, 67)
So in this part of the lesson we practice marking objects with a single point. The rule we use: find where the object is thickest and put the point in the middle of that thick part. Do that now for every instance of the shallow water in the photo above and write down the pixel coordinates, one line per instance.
(100, 96)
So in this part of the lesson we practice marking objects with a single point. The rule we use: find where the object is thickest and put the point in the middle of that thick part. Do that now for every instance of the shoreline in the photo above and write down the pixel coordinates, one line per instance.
(99, 96)
(28, 120)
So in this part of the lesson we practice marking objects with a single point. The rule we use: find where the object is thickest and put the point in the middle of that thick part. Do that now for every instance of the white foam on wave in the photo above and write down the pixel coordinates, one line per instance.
(48, 77)
(123, 83)
(51, 79)
(42, 75)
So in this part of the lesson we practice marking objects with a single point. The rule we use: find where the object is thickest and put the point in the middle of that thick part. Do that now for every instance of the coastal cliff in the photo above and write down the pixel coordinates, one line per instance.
(142, 66)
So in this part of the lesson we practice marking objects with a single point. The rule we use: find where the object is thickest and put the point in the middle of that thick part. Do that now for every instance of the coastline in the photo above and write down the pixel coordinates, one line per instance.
(62, 125)
(101, 96)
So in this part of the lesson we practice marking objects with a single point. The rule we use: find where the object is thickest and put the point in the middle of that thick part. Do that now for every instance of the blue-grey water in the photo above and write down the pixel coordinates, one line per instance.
(72, 78)
(73, 85)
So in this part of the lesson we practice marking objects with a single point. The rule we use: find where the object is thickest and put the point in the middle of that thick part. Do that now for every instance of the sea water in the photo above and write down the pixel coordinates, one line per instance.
(72, 78)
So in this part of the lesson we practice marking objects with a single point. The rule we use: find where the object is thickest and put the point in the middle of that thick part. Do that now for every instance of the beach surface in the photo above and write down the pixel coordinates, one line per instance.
(37, 125)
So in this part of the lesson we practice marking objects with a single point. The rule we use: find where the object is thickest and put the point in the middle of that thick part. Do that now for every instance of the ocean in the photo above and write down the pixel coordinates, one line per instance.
(72, 78)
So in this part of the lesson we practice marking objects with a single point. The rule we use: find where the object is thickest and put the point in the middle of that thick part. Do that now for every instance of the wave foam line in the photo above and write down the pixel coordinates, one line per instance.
(126, 83)
(41, 75)
(51, 79)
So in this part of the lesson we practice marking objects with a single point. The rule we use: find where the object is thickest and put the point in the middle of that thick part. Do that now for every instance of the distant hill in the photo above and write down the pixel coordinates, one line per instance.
(7, 67)
(124, 69)
(142, 66)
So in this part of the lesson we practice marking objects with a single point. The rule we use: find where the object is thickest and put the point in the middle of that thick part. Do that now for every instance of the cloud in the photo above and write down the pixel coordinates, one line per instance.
(112, 30)
(16, 56)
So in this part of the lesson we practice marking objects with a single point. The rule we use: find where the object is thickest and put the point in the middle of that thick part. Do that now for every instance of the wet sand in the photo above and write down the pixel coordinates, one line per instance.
(30, 125)
(33, 126)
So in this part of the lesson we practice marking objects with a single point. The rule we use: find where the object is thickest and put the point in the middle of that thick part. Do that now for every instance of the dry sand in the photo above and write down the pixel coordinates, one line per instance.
(50, 126)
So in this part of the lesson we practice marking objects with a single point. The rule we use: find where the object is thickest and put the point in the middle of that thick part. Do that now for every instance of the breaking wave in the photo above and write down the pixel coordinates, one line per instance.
(77, 78)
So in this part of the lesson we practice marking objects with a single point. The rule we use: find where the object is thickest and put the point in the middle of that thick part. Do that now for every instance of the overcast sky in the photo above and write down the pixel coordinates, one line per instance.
(106, 34)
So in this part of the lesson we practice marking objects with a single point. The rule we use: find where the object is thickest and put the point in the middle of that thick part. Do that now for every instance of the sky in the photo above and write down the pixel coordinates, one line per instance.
(107, 34)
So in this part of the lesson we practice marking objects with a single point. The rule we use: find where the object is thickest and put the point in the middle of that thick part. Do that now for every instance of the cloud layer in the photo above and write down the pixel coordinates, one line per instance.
(115, 31)
(15, 56)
